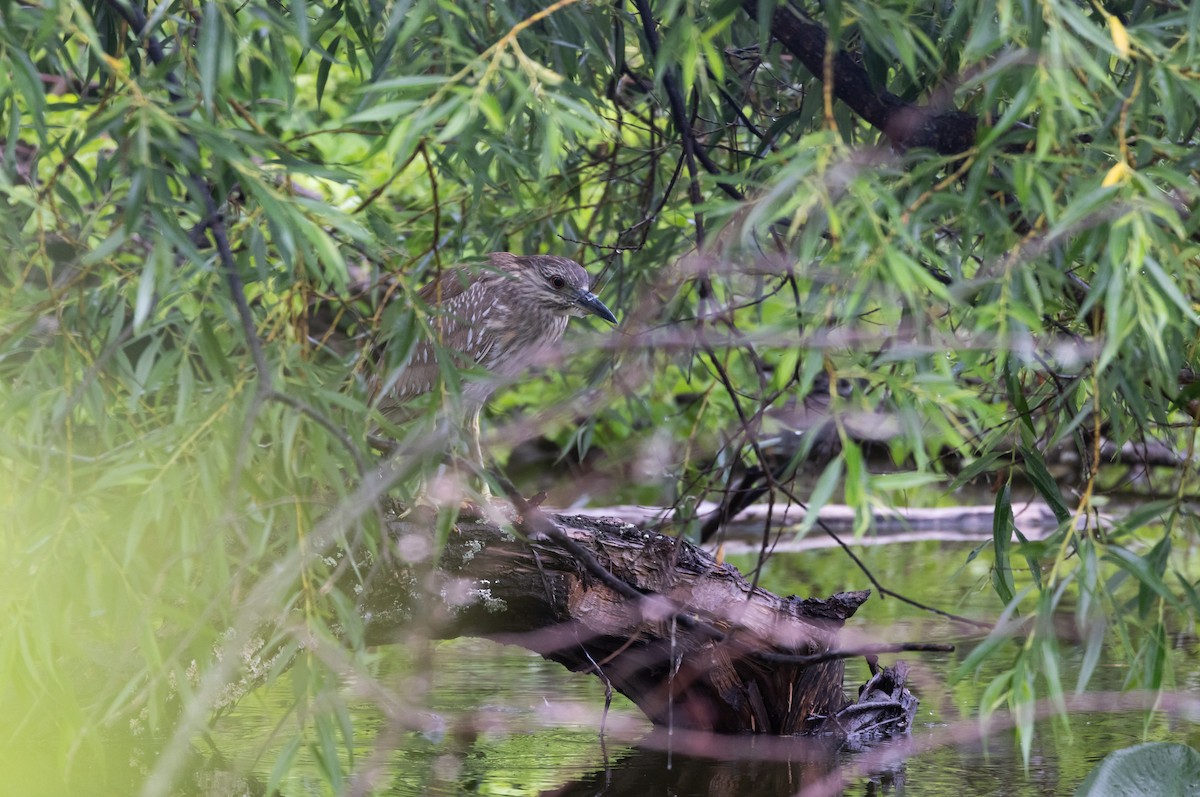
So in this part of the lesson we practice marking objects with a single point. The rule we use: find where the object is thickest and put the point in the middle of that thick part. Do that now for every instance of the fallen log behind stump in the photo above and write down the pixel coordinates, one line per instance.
(687, 639)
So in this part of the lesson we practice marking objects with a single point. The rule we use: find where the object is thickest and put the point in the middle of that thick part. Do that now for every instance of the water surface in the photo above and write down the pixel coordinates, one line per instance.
(494, 719)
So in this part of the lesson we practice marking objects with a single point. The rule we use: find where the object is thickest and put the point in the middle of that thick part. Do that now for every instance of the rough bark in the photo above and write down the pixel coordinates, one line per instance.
(686, 638)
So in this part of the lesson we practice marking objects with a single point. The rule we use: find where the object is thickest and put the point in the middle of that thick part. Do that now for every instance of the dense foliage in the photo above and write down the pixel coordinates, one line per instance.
(983, 249)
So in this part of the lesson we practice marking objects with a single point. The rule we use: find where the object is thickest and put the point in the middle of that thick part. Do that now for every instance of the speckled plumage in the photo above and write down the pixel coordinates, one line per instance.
(504, 318)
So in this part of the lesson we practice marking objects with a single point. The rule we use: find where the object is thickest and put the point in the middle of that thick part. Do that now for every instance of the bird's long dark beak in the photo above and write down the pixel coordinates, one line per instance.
(588, 301)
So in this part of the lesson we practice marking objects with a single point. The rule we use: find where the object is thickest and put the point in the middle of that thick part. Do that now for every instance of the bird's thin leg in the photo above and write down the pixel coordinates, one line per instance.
(485, 491)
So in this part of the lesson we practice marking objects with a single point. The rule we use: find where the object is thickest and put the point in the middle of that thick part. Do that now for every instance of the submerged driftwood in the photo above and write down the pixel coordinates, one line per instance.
(684, 637)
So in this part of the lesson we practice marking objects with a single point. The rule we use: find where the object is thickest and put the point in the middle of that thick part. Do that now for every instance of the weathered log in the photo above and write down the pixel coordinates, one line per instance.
(684, 637)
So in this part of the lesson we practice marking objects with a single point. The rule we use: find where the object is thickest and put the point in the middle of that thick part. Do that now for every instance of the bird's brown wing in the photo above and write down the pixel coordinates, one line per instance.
(457, 327)
(465, 302)
(451, 283)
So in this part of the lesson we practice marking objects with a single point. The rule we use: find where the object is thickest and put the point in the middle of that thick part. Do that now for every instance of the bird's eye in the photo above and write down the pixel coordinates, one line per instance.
(558, 282)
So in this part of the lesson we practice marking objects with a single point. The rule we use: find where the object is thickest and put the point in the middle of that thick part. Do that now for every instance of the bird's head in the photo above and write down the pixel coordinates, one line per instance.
(558, 283)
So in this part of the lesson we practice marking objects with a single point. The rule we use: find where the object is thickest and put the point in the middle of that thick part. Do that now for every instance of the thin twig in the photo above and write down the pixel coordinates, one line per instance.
(678, 114)
(883, 591)
(437, 206)
(853, 653)
(325, 423)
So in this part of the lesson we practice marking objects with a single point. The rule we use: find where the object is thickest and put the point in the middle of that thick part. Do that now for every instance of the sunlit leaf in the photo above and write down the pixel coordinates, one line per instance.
(1120, 36)
(1119, 173)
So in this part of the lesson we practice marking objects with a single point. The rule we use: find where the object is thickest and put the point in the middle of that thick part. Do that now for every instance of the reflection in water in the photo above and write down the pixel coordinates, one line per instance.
(646, 771)
(712, 766)
(695, 765)
(499, 720)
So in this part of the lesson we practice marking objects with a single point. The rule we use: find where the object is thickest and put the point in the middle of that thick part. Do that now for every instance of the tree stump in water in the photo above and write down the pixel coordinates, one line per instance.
(686, 638)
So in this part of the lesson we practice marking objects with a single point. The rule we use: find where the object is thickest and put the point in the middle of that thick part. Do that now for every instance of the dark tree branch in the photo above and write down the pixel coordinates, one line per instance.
(136, 20)
(947, 132)
(691, 148)
(678, 113)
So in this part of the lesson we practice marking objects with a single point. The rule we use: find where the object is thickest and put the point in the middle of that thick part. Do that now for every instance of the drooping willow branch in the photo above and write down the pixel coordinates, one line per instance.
(212, 221)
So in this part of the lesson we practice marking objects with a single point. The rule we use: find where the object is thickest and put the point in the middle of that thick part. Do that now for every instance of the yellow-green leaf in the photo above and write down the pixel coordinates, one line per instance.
(1119, 173)
(1120, 36)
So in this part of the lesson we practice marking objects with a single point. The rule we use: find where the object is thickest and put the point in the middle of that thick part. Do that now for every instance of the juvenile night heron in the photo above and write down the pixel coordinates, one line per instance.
(504, 318)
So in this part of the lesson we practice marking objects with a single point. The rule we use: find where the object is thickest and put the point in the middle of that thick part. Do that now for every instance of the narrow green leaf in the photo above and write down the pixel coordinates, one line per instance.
(333, 264)
(904, 480)
(106, 248)
(854, 487)
(386, 111)
(777, 129)
(1140, 569)
(820, 495)
(209, 49)
(1001, 634)
(1093, 647)
(1031, 554)
(1024, 697)
(1043, 482)
(399, 85)
(299, 11)
(1016, 110)
(1017, 396)
(1002, 521)
(996, 693)
(978, 467)
(145, 293)
(29, 83)
(1170, 289)
(324, 67)
(326, 751)
(283, 763)
(1155, 655)
(1189, 592)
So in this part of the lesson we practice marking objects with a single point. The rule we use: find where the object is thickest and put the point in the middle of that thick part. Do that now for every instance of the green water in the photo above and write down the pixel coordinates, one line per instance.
(477, 717)
(498, 720)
